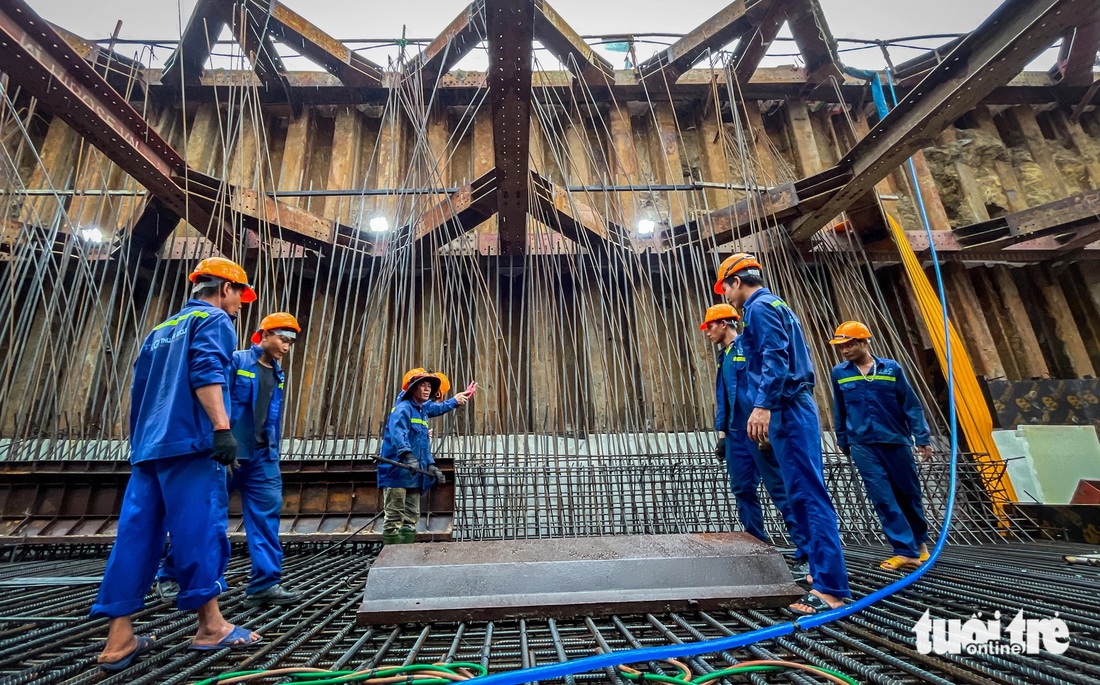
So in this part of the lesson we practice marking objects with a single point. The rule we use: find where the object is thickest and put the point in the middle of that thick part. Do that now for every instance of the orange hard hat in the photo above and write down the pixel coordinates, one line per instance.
(226, 269)
(414, 376)
(277, 321)
(444, 384)
(850, 330)
(719, 312)
(733, 264)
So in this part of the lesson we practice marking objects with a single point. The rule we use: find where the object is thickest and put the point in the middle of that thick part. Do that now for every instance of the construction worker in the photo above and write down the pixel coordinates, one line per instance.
(745, 463)
(180, 446)
(878, 418)
(780, 382)
(256, 392)
(406, 442)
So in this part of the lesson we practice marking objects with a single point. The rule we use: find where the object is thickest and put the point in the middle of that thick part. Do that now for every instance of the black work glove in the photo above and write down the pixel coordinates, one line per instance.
(847, 450)
(720, 450)
(440, 479)
(409, 460)
(225, 447)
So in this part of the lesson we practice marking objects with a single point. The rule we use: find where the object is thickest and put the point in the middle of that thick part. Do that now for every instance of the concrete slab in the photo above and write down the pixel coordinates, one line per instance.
(568, 577)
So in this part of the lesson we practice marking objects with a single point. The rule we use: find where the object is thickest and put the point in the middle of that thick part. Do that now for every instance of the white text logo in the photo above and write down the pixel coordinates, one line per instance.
(975, 636)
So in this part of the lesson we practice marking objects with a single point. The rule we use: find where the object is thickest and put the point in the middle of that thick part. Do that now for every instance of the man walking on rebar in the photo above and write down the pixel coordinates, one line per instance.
(180, 446)
(409, 469)
(746, 464)
(781, 381)
(256, 392)
(878, 418)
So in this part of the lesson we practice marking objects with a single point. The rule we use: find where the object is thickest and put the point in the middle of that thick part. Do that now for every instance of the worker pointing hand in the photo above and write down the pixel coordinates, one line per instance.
(463, 397)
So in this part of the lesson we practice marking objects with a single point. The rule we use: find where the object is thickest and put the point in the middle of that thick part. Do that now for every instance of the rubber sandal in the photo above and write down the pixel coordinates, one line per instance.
(898, 563)
(144, 644)
(924, 554)
(238, 638)
(811, 600)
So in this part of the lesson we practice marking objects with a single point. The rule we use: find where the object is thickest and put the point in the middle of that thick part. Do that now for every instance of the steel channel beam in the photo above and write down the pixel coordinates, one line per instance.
(452, 44)
(1077, 55)
(736, 19)
(1061, 216)
(511, 28)
(185, 65)
(990, 56)
(297, 33)
(557, 36)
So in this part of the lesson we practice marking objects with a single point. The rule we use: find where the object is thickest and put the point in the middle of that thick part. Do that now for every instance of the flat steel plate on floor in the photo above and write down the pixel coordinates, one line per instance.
(567, 577)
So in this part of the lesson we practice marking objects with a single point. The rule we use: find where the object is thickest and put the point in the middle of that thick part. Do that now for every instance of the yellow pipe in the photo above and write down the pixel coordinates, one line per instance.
(970, 404)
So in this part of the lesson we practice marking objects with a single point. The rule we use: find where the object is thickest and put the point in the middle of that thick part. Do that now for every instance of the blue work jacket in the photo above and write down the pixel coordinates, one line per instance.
(878, 408)
(778, 360)
(192, 349)
(244, 388)
(407, 431)
(726, 386)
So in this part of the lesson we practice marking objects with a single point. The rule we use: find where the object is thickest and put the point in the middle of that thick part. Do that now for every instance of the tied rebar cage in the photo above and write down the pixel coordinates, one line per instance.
(565, 495)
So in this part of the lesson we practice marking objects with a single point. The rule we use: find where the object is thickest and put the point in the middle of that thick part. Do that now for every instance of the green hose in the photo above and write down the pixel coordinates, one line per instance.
(337, 677)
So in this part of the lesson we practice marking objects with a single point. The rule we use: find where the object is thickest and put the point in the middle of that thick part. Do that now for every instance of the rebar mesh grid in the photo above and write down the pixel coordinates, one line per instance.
(501, 497)
(56, 644)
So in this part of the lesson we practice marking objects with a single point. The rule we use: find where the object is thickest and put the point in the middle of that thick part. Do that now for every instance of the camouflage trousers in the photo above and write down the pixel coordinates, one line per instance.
(400, 509)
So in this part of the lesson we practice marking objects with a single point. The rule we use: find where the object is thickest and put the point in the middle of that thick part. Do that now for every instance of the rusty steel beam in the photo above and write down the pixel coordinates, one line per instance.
(459, 213)
(511, 28)
(563, 212)
(455, 42)
(739, 18)
(990, 56)
(814, 39)
(564, 578)
(250, 26)
(1068, 216)
(297, 33)
(36, 58)
(185, 65)
(948, 249)
(557, 36)
(1077, 54)
(78, 502)
(754, 45)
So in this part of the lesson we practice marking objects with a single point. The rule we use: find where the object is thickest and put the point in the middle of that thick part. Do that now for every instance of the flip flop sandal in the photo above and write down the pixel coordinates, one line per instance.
(144, 644)
(811, 600)
(898, 563)
(238, 638)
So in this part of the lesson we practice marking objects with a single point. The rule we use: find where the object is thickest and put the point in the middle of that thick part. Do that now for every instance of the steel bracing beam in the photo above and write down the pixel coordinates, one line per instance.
(1077, 54)
(736, 19)
(511, 32)
(455, 42)
(814, 39)
(185, 65)
(754, 45)
(557, 36)
(1073, 219)
(990, 56)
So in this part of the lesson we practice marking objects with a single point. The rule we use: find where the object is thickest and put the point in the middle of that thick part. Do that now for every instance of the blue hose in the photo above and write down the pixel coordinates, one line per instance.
(592, 663)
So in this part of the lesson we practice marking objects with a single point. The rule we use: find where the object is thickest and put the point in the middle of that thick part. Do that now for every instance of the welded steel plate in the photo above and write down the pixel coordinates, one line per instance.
(562, 578)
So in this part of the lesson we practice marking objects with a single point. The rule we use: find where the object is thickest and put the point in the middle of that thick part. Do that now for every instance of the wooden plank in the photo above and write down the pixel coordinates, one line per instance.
(668, 131)
(972, 195)
(544, 323)
(1010, 182)
(489, 348)
(765, 160)
(802, 138)
(296, 152)
(1000, 325)
(625, 164)
(1023, 118)
(933, 205)
(344, 172)
(483, 163)
(712, 148)
(1086, 147)
(79, 388)
(970, 318)
(1029, 358)
(1065, 325)
(57, 155)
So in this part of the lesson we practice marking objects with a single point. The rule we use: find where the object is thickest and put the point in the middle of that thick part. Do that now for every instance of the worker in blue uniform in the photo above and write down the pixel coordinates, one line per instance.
(256, 394)
(406, 442)
(878, 418)
(180, 446)
(781, 380)
(746, 464)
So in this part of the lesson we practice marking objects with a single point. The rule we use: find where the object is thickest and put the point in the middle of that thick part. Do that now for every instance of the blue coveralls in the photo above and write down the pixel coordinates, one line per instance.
(781, 379)
(879, 416)
(407, 431)
(175, 486)
(745, 463)
(258, 477)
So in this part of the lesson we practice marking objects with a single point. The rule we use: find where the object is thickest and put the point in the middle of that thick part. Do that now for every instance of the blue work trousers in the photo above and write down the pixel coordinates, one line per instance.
(261, 486)
(890, 477)
(796, 441)
(179, 496)
(747, 466)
